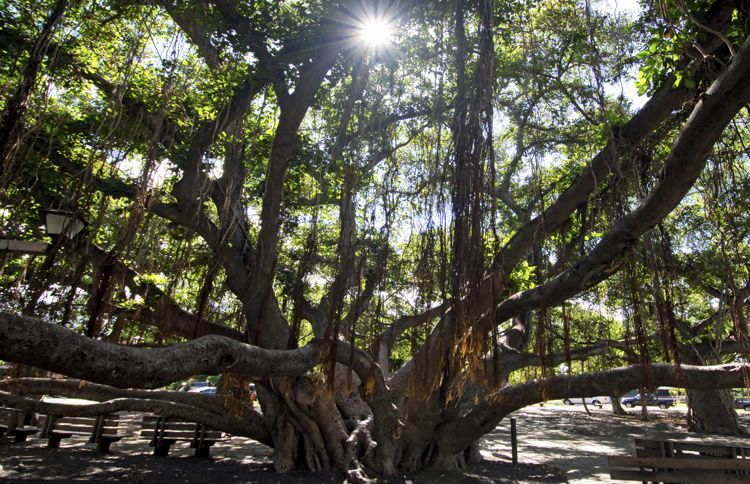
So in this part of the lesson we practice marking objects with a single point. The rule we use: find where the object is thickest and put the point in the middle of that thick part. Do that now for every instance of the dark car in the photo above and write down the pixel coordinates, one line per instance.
(743, 403)
(660, 400)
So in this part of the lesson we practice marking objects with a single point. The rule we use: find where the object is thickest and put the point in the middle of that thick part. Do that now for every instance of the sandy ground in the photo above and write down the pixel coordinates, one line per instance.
(556, 444)
(566, 438)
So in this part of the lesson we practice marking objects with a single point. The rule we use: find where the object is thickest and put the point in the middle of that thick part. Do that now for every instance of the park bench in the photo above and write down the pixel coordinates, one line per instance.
(102, 430)
(674, 461)
(11, 422)
(164, 431)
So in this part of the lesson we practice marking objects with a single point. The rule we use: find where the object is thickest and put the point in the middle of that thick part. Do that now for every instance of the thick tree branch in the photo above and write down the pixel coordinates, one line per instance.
(720, 103)
(459, 434)
(74, 388)
(35, 342)
(515, 361)
(43, 345)
(388, 338)
(651, 115)
(284, 146)
(240, 425)
(194, 27)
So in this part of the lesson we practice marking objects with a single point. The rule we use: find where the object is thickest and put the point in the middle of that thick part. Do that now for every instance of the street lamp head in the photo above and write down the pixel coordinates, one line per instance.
(63, 222)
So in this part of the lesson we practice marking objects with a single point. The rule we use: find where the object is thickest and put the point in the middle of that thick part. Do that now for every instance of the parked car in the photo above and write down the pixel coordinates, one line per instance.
(743, 403)
(661, 399)
(194, 386)
(204, 390)
(598, 401)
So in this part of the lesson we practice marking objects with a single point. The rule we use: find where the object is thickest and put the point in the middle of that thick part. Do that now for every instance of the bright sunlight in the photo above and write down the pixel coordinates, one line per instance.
(376, 32)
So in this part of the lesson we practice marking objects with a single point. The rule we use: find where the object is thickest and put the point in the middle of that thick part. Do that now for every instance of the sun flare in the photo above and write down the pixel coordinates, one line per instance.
(376, 32)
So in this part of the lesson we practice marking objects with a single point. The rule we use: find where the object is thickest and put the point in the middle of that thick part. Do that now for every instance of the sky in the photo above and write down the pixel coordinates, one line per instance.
(618, 6)
(630, 8)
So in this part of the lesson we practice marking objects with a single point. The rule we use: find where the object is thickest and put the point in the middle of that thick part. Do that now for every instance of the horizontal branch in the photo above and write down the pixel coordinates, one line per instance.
(74, 388)
(459, 434)
(236, 425)
(35, 342)
(515, 361)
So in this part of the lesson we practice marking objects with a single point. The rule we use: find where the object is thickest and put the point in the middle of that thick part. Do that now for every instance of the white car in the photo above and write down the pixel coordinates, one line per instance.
(598, 401)
(204, 390)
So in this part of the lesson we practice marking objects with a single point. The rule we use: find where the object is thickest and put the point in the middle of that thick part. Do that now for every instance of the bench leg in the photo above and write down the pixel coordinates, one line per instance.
(103, 446)
(54, 442)
(161, 449)
(203, 451)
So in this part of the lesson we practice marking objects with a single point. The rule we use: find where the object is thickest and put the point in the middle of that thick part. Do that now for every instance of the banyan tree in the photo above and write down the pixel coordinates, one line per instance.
(397, 218)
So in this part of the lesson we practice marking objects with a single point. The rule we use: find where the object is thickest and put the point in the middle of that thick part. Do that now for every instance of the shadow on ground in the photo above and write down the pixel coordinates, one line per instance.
(556, 444)
(568, 439)
(32, 462)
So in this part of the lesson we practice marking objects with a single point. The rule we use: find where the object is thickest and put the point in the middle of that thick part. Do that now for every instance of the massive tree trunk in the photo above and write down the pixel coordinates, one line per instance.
(305, 422)
(712, 411)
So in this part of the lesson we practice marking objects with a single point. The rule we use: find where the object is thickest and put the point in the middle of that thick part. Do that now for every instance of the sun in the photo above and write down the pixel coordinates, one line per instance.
(376, 32)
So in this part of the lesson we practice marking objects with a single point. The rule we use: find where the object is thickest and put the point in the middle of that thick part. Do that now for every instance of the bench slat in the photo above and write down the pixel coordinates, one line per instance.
(74, 427)
(173, 424)
(648, 453)
(168, 434)
(692, 476)
(670, 463)
(702, 448)
(77, 420)
(167, 429)
(154, 418)
(180, 425)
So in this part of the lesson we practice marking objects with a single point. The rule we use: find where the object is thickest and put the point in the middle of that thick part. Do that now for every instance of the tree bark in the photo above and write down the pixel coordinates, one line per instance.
(712, 411)
(616, 405)
(306, 424)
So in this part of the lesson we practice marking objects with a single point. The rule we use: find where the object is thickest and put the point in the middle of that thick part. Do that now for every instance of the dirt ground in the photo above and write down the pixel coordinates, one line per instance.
(556, 444)
(566, 438)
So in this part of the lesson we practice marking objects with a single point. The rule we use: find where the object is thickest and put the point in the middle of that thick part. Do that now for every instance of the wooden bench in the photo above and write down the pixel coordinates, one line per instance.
(11, 422)
(674, 461)
(163, 432)
(102, 430)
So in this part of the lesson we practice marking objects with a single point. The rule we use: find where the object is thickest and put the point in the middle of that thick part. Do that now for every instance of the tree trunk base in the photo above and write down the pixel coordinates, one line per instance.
(713, 412)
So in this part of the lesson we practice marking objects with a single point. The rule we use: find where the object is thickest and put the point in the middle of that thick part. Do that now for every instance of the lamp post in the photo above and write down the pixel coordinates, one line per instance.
(57, 223)
(63, 222)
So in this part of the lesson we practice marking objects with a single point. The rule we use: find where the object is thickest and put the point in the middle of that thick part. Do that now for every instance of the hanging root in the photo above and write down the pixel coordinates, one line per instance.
(360, 445)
